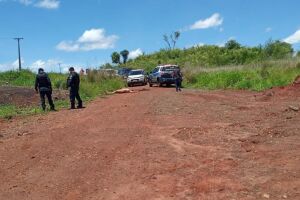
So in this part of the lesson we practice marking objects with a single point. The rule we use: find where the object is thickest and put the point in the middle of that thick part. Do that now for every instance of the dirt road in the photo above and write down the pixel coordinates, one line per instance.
(158, 144)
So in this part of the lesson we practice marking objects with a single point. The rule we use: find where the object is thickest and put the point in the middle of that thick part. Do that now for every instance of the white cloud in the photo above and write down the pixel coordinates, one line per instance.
(294, 38)
(222, 44)
(48, 4)
(268, 29)
(11, 65)
(135, 53)
(53, 65)
(92, 39)
(213, 21)
(201, 44)
(68, 46)
(49, 65)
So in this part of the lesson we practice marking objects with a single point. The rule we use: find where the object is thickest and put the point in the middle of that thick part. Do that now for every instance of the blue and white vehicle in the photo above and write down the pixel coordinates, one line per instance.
(163, 74)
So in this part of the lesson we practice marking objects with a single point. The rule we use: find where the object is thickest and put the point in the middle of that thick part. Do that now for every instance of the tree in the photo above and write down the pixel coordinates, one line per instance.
(278, 49)
(115, 57)
(124, 55)
(166, 39)
(232, 44)
(172, 39)
(298, 54)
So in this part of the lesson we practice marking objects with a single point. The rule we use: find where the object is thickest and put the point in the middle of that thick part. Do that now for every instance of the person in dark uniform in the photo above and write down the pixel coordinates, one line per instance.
(44, 87)
(73, 83)
(178, 79)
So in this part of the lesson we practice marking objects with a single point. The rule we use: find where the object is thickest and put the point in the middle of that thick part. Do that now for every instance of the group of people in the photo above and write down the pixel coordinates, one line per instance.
(43, 86)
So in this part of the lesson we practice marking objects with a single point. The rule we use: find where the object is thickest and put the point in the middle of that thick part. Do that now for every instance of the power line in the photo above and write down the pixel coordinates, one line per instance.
(19, 51)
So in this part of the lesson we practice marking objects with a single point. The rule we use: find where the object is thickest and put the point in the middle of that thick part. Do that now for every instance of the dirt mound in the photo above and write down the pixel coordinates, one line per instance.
(20, 96)
(297, 80)
(291, 90)
(17, 96)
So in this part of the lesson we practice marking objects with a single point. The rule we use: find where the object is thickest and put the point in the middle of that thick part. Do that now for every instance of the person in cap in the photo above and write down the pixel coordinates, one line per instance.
(73, 83)
(43, 86)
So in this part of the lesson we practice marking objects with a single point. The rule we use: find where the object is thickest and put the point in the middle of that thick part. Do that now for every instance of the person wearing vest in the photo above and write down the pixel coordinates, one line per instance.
(73, 83)
(43, 86)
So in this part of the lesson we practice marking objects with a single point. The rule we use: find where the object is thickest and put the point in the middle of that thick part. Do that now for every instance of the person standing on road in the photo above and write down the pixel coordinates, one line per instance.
(178, 79)
(44, 87)
(73, 83)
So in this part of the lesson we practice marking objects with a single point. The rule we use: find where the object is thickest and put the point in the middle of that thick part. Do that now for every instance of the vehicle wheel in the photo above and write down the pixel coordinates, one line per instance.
(160, 85)
(150, 84)
(129, 85)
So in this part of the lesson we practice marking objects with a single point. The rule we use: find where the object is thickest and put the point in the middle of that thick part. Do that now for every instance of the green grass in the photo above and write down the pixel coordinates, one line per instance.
(93, 85)
(9, 111)
(256, 79)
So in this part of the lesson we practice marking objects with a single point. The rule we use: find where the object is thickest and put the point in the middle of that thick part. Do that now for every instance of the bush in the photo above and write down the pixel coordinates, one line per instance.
(60, 84)
(254, 79)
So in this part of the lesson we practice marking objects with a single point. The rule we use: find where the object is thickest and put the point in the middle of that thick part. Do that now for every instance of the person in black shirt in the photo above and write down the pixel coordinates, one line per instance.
(178, 79)
(44, 87)
(73, 83)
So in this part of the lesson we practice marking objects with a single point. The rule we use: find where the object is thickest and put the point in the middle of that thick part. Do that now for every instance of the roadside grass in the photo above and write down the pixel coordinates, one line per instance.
(90, 88)
(257, 78)
(10, 111)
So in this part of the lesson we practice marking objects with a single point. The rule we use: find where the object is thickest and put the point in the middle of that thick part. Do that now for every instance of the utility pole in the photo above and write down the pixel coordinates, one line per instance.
(20, 62)
(59, 67)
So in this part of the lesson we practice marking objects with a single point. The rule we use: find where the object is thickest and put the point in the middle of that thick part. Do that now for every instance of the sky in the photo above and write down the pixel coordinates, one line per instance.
(84, 33)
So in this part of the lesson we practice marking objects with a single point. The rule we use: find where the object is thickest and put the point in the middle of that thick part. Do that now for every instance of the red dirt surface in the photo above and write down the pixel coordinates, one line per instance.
(158, 144)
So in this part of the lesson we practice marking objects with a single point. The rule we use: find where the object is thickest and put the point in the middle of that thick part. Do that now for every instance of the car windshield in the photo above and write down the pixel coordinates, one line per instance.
(169, 68)
(139, 72)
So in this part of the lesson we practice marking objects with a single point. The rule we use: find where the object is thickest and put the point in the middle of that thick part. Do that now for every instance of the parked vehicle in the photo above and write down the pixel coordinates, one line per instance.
(123, 72)
(136, 77)
(163, 75)
(109, 72)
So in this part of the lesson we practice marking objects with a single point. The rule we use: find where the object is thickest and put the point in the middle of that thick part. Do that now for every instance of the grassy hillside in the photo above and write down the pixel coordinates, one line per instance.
(210, 56)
